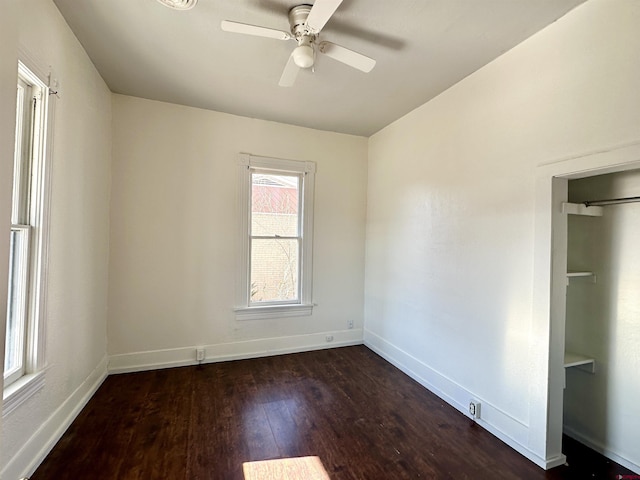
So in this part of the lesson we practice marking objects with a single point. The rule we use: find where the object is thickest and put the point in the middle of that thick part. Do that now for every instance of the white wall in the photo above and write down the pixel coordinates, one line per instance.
(174, 244)
(450, 216)
(79, 240)
(603, 319)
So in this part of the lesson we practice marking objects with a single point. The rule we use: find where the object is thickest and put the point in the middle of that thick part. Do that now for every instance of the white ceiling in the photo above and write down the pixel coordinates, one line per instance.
(422, 47)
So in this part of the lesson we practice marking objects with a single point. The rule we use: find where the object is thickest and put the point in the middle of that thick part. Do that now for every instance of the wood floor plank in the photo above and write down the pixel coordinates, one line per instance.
(206, 412)
(362, 417)
(158, 446)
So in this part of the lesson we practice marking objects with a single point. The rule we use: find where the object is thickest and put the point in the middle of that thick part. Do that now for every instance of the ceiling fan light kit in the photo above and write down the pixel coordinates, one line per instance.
(179, 4)
(303, 55)
(306, 22)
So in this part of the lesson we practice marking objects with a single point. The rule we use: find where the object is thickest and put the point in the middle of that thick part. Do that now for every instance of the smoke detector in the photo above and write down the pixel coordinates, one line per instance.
(179, 4)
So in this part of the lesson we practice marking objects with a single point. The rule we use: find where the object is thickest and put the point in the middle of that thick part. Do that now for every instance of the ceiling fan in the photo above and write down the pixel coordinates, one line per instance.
(306, 22)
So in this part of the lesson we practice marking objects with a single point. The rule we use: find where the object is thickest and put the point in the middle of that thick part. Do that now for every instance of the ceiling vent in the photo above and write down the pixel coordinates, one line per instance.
(179, 4)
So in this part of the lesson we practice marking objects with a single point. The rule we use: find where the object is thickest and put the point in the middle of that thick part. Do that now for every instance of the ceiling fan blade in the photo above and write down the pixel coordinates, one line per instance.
(346, 56)
(320, 14)
(247, 29)
(289, 74)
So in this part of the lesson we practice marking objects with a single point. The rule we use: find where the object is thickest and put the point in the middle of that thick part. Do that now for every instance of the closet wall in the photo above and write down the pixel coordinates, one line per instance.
(603, 319)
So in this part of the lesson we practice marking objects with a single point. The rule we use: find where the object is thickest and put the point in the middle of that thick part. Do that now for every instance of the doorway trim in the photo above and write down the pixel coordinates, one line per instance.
(549, 283)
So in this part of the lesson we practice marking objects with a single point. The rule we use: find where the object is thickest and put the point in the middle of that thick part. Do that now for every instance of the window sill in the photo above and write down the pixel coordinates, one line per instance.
(273, 311)
(20, 391)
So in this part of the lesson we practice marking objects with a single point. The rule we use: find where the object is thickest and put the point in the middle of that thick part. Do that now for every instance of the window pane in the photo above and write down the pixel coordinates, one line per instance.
(22, 156)
(16, 308)
(274, 270)
(274, 205)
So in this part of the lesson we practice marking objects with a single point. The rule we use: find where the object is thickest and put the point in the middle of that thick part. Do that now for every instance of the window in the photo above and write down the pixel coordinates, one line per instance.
(23, 341)
(276, 225)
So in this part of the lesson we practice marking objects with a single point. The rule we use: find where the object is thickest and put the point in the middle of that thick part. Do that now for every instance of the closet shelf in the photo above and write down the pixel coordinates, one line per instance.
(576, 360)
(579, 274)
(580, 361)
(581, 209)
(571, 275)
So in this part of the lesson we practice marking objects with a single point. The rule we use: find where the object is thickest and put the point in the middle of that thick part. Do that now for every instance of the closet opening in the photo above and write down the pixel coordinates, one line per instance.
(602, 315)
(589, 207)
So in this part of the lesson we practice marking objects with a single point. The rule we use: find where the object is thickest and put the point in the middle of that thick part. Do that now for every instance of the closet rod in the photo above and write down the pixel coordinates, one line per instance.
(611, 201)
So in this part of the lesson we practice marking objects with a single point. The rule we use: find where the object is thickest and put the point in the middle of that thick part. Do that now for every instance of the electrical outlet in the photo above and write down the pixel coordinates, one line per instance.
(329, 338)
(474, 409)
(350, 323)
(199, 354)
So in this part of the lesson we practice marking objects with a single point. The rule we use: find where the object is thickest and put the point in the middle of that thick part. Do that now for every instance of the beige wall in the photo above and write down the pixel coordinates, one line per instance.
(450, 223)
(174, 240)
(78, 257)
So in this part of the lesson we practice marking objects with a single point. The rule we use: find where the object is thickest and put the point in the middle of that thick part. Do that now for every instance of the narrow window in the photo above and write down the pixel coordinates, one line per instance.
(27, 230)
(276, 198)
(276, 240)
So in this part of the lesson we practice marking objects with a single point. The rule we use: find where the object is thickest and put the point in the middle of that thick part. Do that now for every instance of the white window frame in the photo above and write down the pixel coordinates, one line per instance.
(303, 306)
(31, 379)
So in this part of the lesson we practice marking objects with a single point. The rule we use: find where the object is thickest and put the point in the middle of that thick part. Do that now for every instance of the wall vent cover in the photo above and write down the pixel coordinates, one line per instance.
(179, 4)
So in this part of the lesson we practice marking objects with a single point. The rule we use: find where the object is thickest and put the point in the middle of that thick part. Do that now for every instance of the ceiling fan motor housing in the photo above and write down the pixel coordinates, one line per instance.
(179, 4)
(298, 18)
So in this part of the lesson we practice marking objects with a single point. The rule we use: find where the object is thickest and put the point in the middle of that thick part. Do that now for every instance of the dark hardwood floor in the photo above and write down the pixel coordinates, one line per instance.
(361, 416)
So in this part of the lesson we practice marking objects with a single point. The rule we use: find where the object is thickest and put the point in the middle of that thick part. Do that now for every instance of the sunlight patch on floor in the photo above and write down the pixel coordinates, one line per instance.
(301, 468)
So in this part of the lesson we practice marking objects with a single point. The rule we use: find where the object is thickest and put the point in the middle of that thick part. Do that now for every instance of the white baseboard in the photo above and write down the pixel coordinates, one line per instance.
(600, 448)
(510, 430)
(179, 357)
(33, 452)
